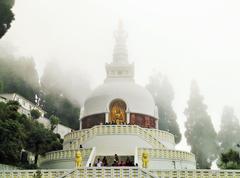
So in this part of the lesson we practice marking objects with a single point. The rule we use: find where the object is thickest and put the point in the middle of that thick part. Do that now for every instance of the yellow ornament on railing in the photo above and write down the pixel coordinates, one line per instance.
(78, 159)
(145, 159)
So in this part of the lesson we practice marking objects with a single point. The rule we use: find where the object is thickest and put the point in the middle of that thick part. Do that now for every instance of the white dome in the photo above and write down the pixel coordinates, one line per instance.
(138, 99)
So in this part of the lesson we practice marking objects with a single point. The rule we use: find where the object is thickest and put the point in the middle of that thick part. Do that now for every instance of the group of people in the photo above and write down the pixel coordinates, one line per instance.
(116, 162)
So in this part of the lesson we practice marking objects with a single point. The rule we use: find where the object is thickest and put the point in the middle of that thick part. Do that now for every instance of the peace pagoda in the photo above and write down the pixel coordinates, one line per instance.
(119, 118)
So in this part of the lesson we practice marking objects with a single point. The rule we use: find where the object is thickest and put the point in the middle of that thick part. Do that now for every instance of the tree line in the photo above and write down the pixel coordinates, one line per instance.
(205, 142)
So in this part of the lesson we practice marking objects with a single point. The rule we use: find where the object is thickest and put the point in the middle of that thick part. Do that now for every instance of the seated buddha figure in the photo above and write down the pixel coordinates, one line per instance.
(118, 116)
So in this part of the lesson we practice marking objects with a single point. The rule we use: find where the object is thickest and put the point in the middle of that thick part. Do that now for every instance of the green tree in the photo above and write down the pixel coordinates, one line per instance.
(12, 133)
(229, 160)
(6, 16)
(54, 120)
(200, 133)
(35, 114)
(41, 140)
(228, 135)
(19, 132)
(163, 94)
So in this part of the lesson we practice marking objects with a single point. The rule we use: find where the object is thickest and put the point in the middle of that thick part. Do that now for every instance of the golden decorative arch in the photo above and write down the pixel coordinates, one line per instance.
(117, 111)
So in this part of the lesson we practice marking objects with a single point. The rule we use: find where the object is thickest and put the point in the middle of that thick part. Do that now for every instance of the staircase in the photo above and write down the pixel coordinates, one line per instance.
(80, 137)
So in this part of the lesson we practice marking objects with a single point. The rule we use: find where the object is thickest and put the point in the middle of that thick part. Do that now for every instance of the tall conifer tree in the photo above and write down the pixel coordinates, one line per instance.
(163, 94)
(229, 133)
(200, 133)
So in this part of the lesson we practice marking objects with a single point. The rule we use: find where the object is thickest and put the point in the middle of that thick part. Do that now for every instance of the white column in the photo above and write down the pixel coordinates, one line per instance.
(107, 117)
(128, 117)
(156, 123)
(80, 127)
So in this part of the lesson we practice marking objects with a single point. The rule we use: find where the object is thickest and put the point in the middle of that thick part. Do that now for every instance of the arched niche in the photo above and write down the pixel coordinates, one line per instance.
(117, 110)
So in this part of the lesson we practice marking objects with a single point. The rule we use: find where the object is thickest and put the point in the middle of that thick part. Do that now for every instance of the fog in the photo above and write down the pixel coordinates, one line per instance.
(184, 40)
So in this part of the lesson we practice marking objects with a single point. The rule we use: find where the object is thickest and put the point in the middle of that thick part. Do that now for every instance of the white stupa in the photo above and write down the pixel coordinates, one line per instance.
(120, 117)
(119, 86)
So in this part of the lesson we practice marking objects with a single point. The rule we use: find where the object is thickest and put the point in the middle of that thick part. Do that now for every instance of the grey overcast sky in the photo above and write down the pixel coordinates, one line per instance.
(185, 40)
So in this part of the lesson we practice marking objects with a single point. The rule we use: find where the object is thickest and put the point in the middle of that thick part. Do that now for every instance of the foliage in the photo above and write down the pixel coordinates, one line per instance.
(61, 107)
(6, 16)
(229, 160)
(35, 114)
(54, 120)
(228, 135)
(163, 94)
(200, 133)
(41, 140)
(19, 132)
(12, 133)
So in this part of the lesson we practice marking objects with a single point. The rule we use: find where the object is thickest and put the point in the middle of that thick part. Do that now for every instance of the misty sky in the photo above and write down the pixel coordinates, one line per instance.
(184, 40)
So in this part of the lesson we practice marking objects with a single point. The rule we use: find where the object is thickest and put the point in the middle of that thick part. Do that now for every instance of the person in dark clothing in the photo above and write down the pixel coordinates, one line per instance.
(128, 163)
(104, 161)
(114, 163)
(116, 158)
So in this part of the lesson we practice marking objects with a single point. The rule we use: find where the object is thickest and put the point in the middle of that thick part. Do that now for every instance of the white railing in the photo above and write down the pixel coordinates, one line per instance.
(64, 154)
(8, 167)
(162, 135)
(198, 173)
(79, 137)
(91, 157)
(166, 154)
(123, 172)
(109, 172)
(47, 173)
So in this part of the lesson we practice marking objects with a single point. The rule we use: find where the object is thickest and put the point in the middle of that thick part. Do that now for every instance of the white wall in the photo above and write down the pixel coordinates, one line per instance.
(62, 130)
(44, 121)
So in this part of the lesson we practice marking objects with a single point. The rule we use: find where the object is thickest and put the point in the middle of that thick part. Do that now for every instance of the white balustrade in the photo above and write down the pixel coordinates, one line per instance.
(64, 154)
(162, 135)
(197, 173)
(166, 154)
(123, 172)
(109, 172)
